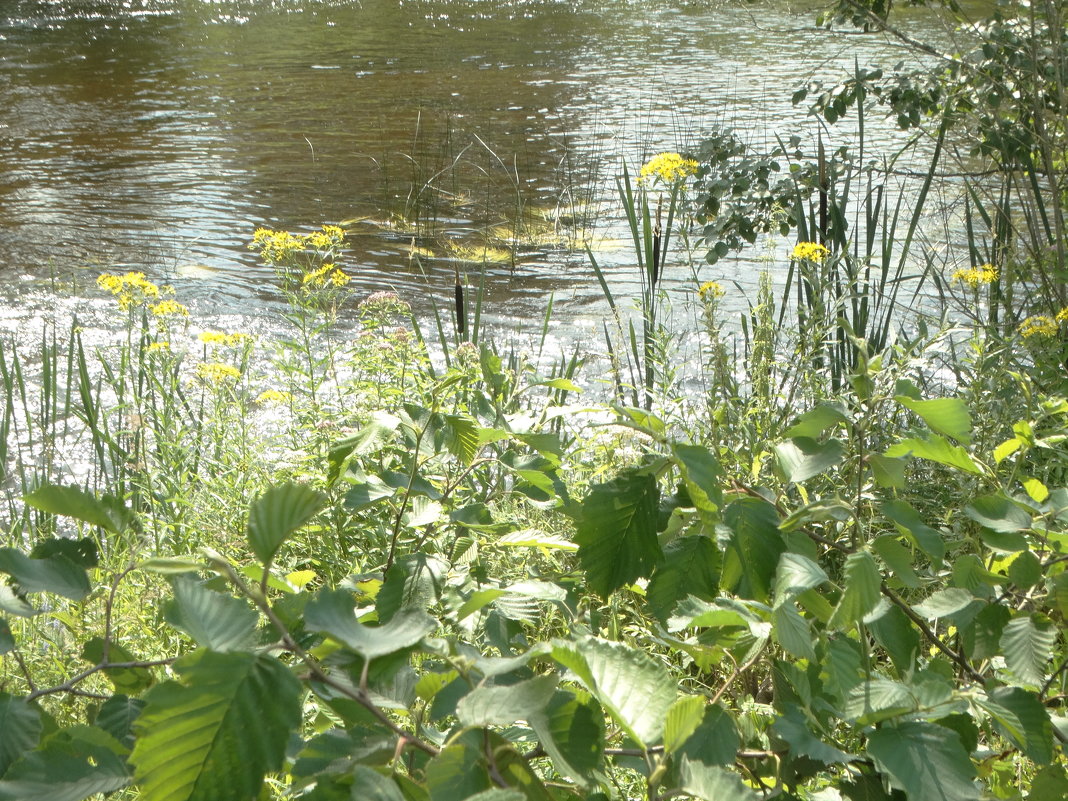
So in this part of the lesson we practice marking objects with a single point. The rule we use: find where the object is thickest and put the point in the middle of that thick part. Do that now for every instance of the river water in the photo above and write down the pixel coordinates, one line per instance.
(159, 134)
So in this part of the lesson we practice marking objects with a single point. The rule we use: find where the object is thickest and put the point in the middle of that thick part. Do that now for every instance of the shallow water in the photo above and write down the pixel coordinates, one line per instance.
(158, 134)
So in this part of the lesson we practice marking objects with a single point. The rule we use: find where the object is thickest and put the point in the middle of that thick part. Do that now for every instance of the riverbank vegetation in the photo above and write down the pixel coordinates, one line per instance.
(825, 558)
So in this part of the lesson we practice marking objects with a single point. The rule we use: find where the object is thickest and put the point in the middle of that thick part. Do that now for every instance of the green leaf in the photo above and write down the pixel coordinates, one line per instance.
(755, 547)
(712, 783)
(817, 420)
(802, 458)
(795, 575)
(897, 634)
(215, 735)
(216, 621)
(461, 436)
(908, 521)
(414, 582)
(71, 765)
(370, 785)
(636, 689)
(7, 640)
(117, 716)
(332, 612)
(1025, 571)
(56, 574)
(370, 439)
(792, 631)
(20, 729)
(998, 513)
(458, 771)
(703, 476)
(947, 416)
(683, 718)
(279, 512)
(887, 472)
(504, 705)
(943, 603)
(1035, 737)
(925, 761)
(171, 565)
(690, 567)
(1027, 644)
(862, 590)
(82, 552)
(936, 449)
(125, 680)
(571, 730)
(982, 636)
(1050, 784)
(616, 532)
(792, 728)
(106, 512)
(715, 741)
(877, 700)
(898, 558)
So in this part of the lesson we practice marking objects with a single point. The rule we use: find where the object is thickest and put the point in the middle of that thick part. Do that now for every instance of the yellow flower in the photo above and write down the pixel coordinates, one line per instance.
(1062, 315)
(170, 307)
(225, 340)
(130, 289)
(155, 347)
(327, 274)
(810, 251)
(217, 372)
(1040, 325)
(275, 246)
(976, 276)
(667, 168)
(273, 396)
(710, 290)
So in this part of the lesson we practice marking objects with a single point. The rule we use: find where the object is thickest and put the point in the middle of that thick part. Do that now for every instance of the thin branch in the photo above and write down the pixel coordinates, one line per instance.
(70, 684)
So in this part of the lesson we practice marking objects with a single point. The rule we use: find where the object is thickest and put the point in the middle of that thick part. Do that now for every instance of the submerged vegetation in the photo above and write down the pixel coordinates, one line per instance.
(820, 553)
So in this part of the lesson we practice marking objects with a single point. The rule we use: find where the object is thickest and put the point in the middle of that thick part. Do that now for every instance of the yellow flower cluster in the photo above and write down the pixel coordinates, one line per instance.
(130, 289)
(226, 340)
(217, 372)
(1040, 325)
(710, 290)
(327, 275)
(170, 308)
(273, 396)
(1062, 315)
(157, 347)
(277, 247)
(977, 276)
(810, 251)
(667, 168)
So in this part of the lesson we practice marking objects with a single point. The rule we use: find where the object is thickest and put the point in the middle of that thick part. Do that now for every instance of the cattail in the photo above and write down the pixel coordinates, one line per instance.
(461, 315)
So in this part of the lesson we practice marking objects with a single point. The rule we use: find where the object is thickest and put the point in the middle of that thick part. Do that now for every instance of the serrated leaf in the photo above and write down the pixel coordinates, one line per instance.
(877, 700)
(277, 513)
(947, 416)
(703, 476)
(216, 621)
(887, 471)
(1035, 736)
(690, 567)
(70, 765)
(936, 449)
(861, 593)
(458, 771)
(616, 534)
(413, 582)
(1027, 644)
(20, 729)
(908, 521)
(715, 741)
(795, 575)
(802, 458)
(7, 642)
(571, 730)
(504, 705)
(125, 680)
(683, 718)
(943, 603)
(370, 785)
(461, 436)
(998, 513)
(370, 439)
(332, 612)
(56, 574)
(817, 420)
(898, 558)
(106, 512)
(636, 689)
(756, 545)
(897, 634)
(117, 716)
(214, 735)
(792, 631)
(422, 512)
(794, 731)
(712, 783)
(925, 761)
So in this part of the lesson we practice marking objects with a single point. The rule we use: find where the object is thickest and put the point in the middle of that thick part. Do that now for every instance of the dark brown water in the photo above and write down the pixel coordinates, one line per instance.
(158, 134)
